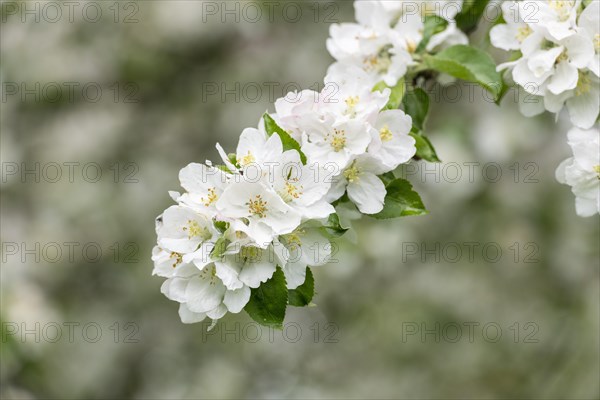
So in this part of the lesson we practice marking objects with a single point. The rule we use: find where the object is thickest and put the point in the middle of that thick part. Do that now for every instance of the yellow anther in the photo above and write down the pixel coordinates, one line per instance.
(385, 134)
(293, 192)
(584, 85)
(352, 174)
(211, 197)
(250, 253)
(247, 159)
(194, 229)
(178, 258)
(257, 206)
(411, 46)
(337, 139)
(523, 33)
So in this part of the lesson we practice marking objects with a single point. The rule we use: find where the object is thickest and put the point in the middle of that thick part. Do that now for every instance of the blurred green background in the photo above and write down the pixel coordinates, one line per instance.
(406, 312)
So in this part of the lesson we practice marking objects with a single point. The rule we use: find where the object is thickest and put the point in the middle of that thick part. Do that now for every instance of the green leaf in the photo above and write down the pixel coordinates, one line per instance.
(425, 149)
(220, 247)
(333, 227)
(396, 95)
(432, 25)
(469, 64)
(416, 104)
(400, 201)
(471, 13)
(221, 226)
(303, 294)
(288, 142)
(387, 178)
(268, 302)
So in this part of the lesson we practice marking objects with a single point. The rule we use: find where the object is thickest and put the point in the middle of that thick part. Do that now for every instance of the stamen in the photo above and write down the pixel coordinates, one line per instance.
(385, 134)
(257, 206)
(210, 198)
(352, 174)
(337, 139)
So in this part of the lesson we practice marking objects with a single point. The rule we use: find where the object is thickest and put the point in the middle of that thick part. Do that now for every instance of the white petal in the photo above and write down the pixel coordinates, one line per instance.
(555, 102)
(504, 37)
(203, 294)
(583, 109)
(217, 312)
(565, 78)
(580, 50)
(586, 207)
(560, 173)
(542, 61)
(368, 193)
(255, 273)
(318, 210)
(236, 300)
(316, 248)
(295, 273)
(229, 272)
(175, 289)
(189, 317)
(530, 105)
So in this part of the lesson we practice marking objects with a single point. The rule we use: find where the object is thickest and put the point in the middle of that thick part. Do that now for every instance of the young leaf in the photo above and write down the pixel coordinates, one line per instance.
(303, 294)
(221, 226)
(220, 247)
(469, 64)
(424, 147)
(471, 13)
(333, 227)
(400, 201)
(432, 25)
(396, 95)
(416, 104)
(288, 142)
(268, 302)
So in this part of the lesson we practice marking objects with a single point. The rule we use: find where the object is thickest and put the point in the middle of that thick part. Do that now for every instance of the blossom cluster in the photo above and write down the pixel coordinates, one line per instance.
(246, 231)
(388, 36)
(269, 204)
(557, 63)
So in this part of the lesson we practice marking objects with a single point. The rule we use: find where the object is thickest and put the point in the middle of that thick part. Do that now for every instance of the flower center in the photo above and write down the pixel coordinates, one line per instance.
(564, 56)
(379, 62)
(247, 159)
(178, 258)
(597, 42)
(597, 169)
(194, 229)
(250, 253)
(411, 46)
(351, 103)
(523, 33)
(337, 139)
(210, 198)
(562, 8)
(291, 191)
(257, 206)
(584, 84)
(352, 174)
(209, 272)
(385, 134)
(294, 239)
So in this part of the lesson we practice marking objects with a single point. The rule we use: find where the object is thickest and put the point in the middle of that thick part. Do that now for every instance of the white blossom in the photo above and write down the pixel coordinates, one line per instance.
(582, 171)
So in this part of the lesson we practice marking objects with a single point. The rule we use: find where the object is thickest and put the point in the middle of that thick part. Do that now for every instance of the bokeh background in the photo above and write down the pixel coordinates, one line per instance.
(400, 314)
